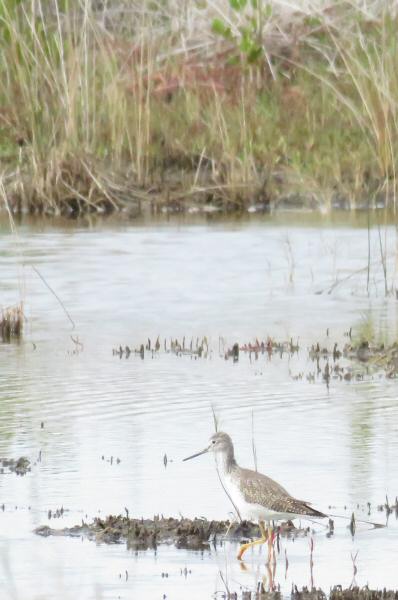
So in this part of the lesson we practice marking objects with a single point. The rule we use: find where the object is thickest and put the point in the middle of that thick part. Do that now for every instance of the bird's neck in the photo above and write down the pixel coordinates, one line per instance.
(227, 461)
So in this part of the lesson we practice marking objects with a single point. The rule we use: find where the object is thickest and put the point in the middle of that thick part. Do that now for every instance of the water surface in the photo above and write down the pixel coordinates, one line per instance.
(237, 280)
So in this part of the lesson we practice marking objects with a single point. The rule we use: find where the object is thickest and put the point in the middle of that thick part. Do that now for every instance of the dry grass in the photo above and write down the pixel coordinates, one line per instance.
(103, 109)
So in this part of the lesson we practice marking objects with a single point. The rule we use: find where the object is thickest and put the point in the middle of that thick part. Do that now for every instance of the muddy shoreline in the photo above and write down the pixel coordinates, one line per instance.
(208, 199)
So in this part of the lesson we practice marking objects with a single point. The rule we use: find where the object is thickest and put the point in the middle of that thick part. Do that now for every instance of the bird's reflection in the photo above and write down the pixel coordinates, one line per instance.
(267, 582)
(266, 573)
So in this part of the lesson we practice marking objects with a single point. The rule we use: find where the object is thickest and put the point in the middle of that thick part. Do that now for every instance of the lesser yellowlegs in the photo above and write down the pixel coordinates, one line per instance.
(256, 496)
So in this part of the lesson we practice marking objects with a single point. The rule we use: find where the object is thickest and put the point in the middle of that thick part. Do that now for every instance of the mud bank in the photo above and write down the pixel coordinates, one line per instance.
(141, 534)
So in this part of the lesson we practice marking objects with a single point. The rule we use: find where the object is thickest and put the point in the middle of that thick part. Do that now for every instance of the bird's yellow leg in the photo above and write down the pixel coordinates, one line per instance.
(245, 547)
(261, 540)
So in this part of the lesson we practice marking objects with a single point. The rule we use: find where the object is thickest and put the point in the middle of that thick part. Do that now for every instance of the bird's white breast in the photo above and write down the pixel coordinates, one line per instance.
(247, 510)
(237, 497)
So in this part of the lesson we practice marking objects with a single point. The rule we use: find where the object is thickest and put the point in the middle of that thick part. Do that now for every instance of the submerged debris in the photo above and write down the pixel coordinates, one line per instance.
(141, 534)
(389, 508)
(20, 466)
(58, 513)
(234, 352)
(269, 346)
(353, 362)
(195, 348)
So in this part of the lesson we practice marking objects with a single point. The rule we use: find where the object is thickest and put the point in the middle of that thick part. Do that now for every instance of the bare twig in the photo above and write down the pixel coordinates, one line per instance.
(48, 286)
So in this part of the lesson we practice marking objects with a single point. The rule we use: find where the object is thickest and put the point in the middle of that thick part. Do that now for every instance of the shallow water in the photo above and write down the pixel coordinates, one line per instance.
(240, 280)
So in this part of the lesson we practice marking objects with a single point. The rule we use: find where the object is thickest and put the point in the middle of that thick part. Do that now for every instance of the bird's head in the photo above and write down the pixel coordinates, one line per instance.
(219, 442)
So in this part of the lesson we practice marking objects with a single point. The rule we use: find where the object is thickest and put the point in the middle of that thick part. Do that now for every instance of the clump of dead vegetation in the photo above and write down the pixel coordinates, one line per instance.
(11, 323)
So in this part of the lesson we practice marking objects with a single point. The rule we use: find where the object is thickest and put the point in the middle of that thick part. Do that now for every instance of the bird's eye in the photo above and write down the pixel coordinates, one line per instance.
(214, 441)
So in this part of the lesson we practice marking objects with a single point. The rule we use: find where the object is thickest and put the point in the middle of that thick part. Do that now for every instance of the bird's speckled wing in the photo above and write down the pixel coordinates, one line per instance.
(260, 489)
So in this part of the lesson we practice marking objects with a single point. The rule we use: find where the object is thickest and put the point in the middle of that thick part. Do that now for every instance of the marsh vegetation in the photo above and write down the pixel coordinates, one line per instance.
(234, 105)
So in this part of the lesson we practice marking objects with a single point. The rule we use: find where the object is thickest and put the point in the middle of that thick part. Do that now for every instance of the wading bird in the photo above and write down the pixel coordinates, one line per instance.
(256, 496)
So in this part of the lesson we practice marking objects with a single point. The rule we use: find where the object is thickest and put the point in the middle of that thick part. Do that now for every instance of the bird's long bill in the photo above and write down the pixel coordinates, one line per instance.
(197, 454)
